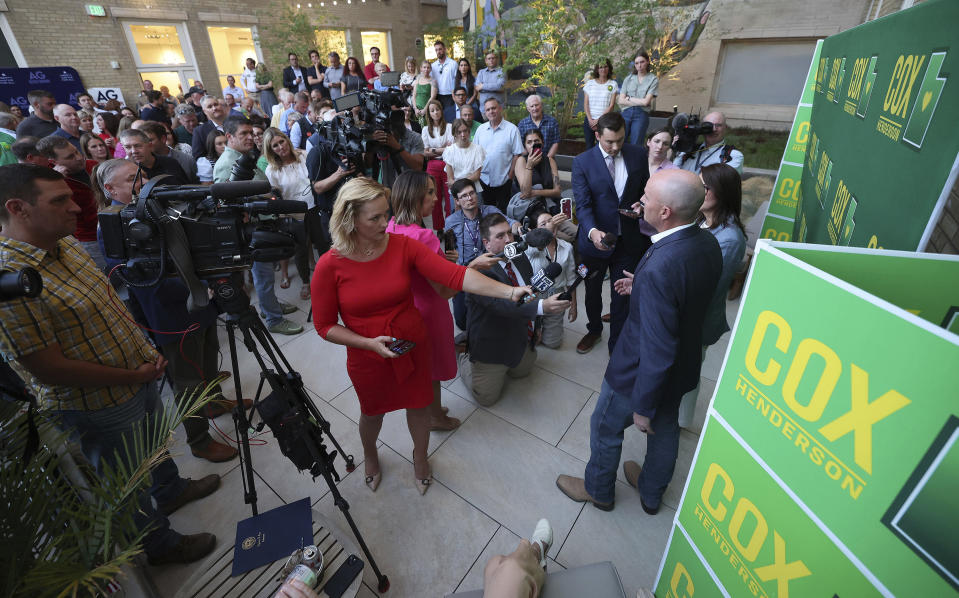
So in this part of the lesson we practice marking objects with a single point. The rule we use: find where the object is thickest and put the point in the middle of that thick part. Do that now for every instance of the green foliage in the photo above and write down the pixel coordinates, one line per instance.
(64, 537)
(561, 40)
(285, 29)
(459, 43)
(761, 148)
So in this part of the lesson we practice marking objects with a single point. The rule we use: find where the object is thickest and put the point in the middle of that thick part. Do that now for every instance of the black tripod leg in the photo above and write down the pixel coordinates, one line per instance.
(242, 425)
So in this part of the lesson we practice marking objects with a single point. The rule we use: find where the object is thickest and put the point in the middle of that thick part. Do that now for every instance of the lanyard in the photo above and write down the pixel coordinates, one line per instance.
(702, 159)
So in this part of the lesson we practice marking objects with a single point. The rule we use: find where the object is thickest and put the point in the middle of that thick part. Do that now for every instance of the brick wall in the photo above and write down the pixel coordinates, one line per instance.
(59, 33)
(945, 237)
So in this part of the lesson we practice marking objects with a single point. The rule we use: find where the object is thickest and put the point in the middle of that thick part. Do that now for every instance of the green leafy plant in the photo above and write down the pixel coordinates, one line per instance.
(285, 28)
(559, 41)
(70, 535)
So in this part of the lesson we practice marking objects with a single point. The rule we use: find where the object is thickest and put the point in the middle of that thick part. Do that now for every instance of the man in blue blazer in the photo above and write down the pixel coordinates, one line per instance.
(606, 178)
(658, 356)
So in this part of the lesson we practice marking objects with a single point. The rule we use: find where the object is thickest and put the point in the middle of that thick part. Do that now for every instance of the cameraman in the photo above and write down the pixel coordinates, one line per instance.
(239, 141)
(87, 362)
(714, 150)
(399, 149)
(327, 175)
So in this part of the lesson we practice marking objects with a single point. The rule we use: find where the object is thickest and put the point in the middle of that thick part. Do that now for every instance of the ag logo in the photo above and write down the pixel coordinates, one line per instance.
(248, 543)
(38, 77)
(18, 101)
(107, 94)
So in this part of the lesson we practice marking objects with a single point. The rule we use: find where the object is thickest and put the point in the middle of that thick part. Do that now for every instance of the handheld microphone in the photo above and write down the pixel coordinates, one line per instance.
(584, 274)
(538, 238)
(609, 241)
(512, 250)
(543, 281)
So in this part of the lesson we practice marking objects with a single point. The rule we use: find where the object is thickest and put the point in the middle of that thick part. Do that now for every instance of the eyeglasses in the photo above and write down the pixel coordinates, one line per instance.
(466, 195)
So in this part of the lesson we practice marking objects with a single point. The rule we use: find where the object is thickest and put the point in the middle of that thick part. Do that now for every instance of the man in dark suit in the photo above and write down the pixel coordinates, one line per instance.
(215, 111)
(606, 178)
(499, 331)
(452, 112)
(659, 354)
(294, 76)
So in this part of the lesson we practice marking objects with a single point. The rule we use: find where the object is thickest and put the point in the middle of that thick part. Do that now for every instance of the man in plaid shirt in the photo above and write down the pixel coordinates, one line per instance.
(81, 353)
(546, 124)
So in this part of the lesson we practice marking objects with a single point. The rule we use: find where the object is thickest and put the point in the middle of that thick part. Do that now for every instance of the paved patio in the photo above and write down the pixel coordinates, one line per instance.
(494, 476)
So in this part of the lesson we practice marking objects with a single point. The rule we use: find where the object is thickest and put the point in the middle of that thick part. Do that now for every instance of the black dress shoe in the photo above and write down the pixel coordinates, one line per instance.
(194, 490)
(189, 549)
(649, 510)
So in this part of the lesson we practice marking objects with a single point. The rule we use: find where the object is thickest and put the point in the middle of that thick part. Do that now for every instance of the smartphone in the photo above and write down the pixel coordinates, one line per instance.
(449, 240)
(566, 207)
(400, 346)
(629, 214)
(537, 147)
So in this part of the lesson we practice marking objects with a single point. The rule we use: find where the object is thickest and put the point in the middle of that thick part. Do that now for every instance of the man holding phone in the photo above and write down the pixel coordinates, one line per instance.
(606, 178)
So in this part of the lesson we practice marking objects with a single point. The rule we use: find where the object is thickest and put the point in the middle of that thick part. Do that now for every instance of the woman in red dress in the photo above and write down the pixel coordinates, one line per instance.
(365, 280)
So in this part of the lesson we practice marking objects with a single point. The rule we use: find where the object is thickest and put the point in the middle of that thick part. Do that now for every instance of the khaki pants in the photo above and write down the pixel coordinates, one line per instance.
(517, 575)
(553, 329)
(485, 380)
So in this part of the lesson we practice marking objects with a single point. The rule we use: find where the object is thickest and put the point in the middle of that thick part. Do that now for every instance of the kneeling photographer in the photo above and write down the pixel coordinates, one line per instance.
(193, 357)
(232, 165)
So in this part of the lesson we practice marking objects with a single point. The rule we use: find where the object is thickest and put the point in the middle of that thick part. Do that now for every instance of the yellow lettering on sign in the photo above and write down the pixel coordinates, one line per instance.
(681, 575)
(900, 84)
(780, 570)
(766, 319)
(716, 471)
(802, 133)
(750, 550)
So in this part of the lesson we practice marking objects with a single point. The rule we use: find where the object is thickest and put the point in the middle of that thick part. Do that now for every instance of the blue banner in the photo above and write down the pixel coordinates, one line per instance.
(62, 81)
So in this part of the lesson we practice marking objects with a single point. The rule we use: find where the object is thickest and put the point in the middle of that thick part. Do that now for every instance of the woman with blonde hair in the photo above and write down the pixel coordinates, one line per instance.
(424, 90)
(366, 279)
(437, 136)
(408, 77)
(286, 170)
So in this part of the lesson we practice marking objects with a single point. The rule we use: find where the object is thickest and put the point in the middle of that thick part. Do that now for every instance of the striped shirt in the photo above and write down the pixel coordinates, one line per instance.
(74, 311)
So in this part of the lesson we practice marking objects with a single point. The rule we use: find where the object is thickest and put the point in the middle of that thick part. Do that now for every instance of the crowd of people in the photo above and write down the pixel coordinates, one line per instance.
(425, 218)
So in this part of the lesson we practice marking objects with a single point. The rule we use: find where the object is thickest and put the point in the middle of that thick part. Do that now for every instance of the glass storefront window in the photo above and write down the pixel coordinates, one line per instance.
(331, 40)
(380, 39)
(170, 79)
(157, 44)
(231, 47)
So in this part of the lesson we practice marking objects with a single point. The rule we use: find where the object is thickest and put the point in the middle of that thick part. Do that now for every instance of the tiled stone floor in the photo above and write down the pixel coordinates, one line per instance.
(494, 476)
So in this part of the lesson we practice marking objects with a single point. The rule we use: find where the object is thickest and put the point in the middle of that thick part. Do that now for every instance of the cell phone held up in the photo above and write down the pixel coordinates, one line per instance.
(566, 207)
(629, 214)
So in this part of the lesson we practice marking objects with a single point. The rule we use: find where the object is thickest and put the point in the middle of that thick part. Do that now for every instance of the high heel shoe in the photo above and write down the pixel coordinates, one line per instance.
(422, 484)
(373, 481)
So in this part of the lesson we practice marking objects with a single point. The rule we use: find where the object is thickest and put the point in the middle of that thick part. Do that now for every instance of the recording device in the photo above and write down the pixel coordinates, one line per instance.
(543, 281)
(25, 283)
(608, 241)
(400, 346)
(537, 147)
(512, 250)
(343, 577)
(449, 240)
(583, 273)
(566, 207)
(350, 135)
(390, 79)
(538, 238)
(629, 213)
(688, 129)
(198, 231)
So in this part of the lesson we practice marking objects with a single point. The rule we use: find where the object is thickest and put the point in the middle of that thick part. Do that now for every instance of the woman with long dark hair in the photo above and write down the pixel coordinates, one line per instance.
(466, 80)
(412, 199)
(353, 78)
(108, 123)
(720, 216)
(437, 136)
(599, 97)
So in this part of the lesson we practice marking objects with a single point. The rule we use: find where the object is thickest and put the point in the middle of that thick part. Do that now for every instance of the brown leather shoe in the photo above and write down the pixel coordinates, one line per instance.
(631, 470)
(606, 317)
(218, 407)
(575, 488)
(194, 490)
(216, 452)
(190, 548)
(585, 344)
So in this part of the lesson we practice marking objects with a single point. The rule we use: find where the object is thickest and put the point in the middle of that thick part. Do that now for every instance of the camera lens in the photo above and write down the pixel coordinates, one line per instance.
(25, 283)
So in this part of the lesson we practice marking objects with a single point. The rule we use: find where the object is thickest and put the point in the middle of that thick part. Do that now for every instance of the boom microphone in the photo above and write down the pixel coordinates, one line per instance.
(538, 238)
(543, 280)
(512, 250)
(584, 274)
(680, 121)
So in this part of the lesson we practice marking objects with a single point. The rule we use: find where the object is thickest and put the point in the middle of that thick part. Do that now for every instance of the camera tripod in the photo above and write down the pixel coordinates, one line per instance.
(304, 418)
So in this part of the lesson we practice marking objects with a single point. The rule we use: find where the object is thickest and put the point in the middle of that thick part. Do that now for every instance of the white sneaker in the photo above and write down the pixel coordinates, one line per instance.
(543, 534)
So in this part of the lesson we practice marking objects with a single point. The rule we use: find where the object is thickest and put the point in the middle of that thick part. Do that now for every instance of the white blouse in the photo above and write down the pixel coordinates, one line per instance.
(444, 140)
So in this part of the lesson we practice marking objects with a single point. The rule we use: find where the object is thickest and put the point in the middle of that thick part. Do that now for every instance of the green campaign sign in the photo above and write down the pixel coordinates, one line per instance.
(882, 148)
(684, 574)
(835, 417)
(783, 202)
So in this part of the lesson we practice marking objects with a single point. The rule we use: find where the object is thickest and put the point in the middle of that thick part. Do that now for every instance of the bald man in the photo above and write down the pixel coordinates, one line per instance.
(69, 124)
(714, 150)
(658, 354)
